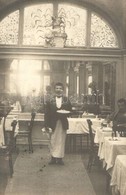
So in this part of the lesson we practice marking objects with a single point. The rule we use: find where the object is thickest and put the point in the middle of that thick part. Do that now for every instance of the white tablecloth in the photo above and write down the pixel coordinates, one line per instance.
(118, 180)
(101, 133)
(110, 149)
(80, 126)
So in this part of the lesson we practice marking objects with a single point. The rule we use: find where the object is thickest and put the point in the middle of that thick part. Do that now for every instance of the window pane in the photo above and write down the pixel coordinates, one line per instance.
(75, 21)
(29, 83)
(46, 81)
(13, 83)
(9, 29)
(89, 81)
(14, 65)
(101, 34)
(25, 77)
(46, 65)
(37, 22)
(29, 66)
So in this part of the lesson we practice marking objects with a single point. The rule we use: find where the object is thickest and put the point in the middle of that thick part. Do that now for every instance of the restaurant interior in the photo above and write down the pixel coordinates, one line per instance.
(82, 45)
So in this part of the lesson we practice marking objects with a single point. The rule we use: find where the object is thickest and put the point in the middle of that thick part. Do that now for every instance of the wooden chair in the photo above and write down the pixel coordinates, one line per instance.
(10, 136)
(93, 150)
(28, 132)
(7, 148)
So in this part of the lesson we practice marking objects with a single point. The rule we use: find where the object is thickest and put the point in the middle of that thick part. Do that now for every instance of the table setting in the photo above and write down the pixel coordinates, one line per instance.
(111, 147)
(102, 132)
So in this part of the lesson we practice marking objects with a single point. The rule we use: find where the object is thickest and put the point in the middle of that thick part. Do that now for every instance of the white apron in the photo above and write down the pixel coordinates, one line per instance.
(57, 142)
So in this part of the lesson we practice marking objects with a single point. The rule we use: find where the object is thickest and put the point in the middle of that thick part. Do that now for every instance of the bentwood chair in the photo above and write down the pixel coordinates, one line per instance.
(7, 149)
(27, 133)
(93, 148)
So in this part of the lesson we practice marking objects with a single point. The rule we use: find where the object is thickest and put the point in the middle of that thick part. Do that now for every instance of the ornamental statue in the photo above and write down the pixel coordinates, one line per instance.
(56, 37)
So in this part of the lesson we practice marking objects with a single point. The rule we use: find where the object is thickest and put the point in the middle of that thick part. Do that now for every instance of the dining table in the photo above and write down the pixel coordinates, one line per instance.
(112, 147)
(80, 126)
(78, 129)
(118, 179)
(101, 133)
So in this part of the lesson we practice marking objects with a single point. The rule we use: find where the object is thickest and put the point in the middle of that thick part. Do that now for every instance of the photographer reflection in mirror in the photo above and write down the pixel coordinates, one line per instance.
(57, 109)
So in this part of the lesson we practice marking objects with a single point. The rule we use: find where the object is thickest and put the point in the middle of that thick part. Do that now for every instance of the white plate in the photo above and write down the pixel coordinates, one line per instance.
(107, 129)
(63, 111)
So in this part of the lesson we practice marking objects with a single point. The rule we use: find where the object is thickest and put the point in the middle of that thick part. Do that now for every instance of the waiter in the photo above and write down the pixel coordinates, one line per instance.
(57, 109)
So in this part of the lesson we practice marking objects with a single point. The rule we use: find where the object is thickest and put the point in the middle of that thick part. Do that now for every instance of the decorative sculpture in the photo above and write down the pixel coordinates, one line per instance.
(56, 37)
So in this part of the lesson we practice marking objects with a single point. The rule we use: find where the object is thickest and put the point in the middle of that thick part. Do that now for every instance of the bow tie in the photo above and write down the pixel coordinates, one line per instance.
(58, 96)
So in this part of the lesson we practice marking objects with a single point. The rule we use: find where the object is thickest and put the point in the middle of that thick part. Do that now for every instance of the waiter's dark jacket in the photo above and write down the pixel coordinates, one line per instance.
(51, 115)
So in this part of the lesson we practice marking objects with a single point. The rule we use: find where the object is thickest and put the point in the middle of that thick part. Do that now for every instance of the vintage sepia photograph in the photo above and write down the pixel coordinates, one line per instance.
(62, 97)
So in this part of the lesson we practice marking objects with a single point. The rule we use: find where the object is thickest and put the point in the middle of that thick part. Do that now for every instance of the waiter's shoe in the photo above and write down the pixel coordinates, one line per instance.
(60, 161)
(52, 161)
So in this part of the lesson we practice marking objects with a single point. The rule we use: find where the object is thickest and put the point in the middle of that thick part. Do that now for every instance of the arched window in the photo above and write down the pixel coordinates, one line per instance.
(37, 27)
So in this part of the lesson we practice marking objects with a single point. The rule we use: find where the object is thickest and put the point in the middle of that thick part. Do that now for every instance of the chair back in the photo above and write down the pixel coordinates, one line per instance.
(31, 123)
(14, 124)
(91, 134)
(93, 152)
(33, 114)
(8, 133)
(4, 131)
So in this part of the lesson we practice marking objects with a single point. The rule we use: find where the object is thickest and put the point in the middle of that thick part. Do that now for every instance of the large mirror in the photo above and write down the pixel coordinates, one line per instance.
(86, 82)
